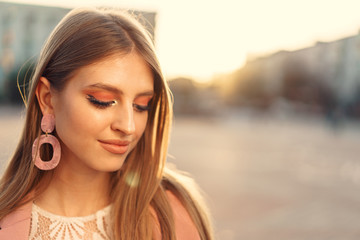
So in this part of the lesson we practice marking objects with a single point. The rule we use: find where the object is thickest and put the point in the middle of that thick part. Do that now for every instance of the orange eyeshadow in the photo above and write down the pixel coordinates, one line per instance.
(101, 95)
(143, 100)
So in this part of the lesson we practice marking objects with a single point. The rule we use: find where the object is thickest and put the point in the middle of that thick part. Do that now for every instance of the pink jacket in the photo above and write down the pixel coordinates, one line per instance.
(16, 225)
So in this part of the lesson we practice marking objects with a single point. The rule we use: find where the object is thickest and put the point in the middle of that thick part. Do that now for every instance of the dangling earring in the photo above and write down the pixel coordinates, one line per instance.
(47, 126)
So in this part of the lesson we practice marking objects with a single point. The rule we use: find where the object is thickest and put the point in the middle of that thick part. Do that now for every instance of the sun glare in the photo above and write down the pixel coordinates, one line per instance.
(205, 38)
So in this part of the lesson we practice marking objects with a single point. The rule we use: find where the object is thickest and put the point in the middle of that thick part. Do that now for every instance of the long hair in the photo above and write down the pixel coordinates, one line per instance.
(85, 36)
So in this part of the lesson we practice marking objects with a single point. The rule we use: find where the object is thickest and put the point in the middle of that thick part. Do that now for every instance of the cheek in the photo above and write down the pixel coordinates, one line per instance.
(68, 125)
(72, 120)
(140, 123)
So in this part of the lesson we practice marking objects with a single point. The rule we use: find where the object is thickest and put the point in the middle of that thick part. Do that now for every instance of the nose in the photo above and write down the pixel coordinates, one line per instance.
(124, 119)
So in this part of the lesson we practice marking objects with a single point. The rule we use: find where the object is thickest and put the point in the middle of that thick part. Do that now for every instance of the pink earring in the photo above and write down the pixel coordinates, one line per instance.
(47, 126)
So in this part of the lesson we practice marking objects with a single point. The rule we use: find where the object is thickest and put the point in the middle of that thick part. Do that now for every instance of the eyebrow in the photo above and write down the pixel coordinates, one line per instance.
(118, 91)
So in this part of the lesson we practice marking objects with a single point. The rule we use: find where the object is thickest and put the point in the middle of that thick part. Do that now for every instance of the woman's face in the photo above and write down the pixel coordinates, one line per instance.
(102, 112)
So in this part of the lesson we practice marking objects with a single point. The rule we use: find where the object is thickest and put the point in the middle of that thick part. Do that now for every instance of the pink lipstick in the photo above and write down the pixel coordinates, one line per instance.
(115, 146)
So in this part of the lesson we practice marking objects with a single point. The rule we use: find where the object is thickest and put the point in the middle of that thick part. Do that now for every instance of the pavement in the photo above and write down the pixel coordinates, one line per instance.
(264, 177)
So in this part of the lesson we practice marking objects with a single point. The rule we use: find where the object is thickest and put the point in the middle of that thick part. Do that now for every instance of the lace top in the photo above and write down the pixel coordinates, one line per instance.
(45, 226)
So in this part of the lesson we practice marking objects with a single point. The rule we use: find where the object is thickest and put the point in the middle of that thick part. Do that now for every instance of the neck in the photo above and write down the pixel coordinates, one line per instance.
(74, 191)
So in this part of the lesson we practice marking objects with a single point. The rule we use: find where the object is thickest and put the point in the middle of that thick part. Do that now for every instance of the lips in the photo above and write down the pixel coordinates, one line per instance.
(115, 146)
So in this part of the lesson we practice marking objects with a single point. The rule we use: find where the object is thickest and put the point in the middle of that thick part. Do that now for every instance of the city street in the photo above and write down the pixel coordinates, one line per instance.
(265, 178)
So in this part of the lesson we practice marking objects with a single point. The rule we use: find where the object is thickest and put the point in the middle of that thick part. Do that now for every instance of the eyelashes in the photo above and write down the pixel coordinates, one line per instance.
(141, 108)
(104, 104)
(100, 104)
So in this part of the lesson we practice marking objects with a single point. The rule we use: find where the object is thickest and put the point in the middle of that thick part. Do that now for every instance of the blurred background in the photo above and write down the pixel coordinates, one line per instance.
(267, 105)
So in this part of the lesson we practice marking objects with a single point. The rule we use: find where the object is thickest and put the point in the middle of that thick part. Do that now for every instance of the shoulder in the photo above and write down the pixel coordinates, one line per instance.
(16, 224)
(185, 229)
(191, 215)
(184, 226)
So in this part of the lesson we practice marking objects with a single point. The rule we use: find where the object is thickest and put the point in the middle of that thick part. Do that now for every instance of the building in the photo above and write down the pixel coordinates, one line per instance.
(23, 30)
(324, 77)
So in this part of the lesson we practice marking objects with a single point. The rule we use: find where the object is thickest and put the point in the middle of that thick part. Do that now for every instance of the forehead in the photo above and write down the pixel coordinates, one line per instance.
(129, 73)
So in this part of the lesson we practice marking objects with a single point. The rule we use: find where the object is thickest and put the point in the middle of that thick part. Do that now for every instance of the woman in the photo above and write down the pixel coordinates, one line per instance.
(98, 97)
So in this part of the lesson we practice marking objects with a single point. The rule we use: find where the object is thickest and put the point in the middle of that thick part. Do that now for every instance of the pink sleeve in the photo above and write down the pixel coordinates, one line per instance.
(184, 226)
(16, 225)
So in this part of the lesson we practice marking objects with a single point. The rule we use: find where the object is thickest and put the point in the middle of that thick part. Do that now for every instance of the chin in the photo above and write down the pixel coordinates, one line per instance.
(110, 166)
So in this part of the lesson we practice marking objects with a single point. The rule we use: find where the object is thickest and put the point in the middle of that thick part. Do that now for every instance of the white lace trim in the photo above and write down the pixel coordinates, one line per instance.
(46, 226)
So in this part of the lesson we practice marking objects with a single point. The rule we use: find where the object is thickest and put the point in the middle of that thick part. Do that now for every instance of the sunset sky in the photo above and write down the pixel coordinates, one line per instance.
(202, 38)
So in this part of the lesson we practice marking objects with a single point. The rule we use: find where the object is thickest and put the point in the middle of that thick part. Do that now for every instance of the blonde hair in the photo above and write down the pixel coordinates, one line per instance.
(81, 38)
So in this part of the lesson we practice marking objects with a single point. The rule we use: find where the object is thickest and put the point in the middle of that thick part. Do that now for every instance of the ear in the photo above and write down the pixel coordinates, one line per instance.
(43, 95)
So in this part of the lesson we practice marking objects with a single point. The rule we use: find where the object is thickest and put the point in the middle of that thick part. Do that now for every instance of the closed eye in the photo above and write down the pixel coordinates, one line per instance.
(141, 108)
(144, 106)
(98, 103)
